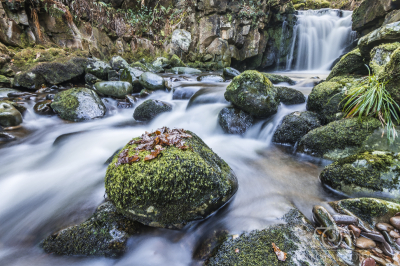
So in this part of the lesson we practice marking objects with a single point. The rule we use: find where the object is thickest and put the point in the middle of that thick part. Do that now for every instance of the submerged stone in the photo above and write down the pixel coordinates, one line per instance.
(78, 104)
(9, 115)
(253, 93)
(117, 89)
(105, 233)
(230, 72)
(43, 107)
(234, 121)
(152, 81)
(275, 78)
(290, 96)
(207, 96)
(176, 187)
(150, 109)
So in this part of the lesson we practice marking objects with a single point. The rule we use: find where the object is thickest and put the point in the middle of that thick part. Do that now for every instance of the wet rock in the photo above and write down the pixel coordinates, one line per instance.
(356, 230)
(210, 78)
(395, 221)
(380, 56)
(113, 75)
(117, 89)
(117, 63)
(365, 243)
(139, 66)
(234, 121)
(152, 81)
(6, 137)
(294, 126)
(144, 93)
(91, 79)
(149, 109)
(275, 79)
(131, 99)
(345, 219)
(105, 233)
(4, 81)
(78, 104)
(182, 39)
(351, 63)
(98, 68)
(185, 70)
(384, 227)
(230, 72)
(185, 185)
(43, 107)
(176, 61)
(370, 174)
(207, 96)
(324, 218)
(5, 91)
(161, 62)
(290, 96)
(394, 234)
(391, 75)
(368, 262)
(385, 34)
(9, 115)
(253, 93)
(132, 75)
(50, 96)
(340, 139)
(183, 93)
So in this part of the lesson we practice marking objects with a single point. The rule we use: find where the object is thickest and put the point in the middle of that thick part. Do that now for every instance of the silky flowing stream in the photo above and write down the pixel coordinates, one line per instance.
(54, 177)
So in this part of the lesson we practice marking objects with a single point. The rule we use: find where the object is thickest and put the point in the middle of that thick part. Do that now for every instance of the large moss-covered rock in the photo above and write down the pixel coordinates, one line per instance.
(340, 138)
(275, 78)
(385, 34)
(98, 68)
(173, 189)
(351, 63)
(371, 14)
(105, 233)
(78, 104)
(114, 88)
(253, 93)
(9, 115)
(380, 57)
(149, 109)
(294, 126)
(234, 121)
(290, 96)
(152, 81)
(176, 61)
(367, 174)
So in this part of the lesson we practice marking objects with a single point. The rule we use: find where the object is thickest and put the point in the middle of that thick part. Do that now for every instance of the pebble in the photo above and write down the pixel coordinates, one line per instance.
(365, 243)
(345, 219)
(395, 221)
(384, 227)
(368, 262)
(355, 229)
(394, 234)
(398, 241)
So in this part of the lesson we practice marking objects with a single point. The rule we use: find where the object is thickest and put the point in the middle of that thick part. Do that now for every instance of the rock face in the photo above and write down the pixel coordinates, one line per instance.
(385, 34)
(275, 79)
(78, 104)
(149, 109)
(9, 115)
(290, 96)
(185, 185)
(367, 174)
(152, 81)
(295, 126)
(117, 89)
(105, 233)
(253, 93)
(339, 138)
(351, 63)
(380, 57)
(234, 121)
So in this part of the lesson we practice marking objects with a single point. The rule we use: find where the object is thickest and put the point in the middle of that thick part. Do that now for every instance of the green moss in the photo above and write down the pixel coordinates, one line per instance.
(299, 6)
(380, 56)
(351, 63)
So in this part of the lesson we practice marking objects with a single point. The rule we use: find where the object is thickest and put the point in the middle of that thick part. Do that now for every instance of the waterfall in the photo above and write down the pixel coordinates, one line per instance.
(321, 36)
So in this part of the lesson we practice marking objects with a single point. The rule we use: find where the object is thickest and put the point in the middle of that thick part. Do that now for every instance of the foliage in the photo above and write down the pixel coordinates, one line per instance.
(372, 99)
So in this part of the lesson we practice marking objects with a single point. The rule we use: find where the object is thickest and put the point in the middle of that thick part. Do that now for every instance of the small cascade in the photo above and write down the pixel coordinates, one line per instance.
(320, 37)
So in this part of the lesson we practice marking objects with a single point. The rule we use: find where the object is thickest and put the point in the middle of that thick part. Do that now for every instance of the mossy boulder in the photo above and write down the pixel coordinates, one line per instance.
(5, 81)
(9, 115)
(366, 174)
(152, 81)
(117, 63)
(98, 68)
(173, 189)
(185, 70)
(290, 96)
(149, 109)
(78, 104)
(230, 72)
(161, 62)
(294, 126)
(139, 66)
(176, 61)
(275, 78)
(340, 138)
(380, 57)
(132, 75)
(105, 233)
(385, 34)
(351, 63)
(234, 121)
(91, 79)
(253, 93)
(117, 89)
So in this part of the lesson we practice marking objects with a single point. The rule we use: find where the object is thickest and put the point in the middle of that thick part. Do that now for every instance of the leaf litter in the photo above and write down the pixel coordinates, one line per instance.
(279, 253)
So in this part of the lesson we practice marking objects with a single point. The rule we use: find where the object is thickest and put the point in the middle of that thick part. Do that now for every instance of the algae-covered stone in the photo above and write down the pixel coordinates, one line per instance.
(149, 109)
(91, 79)
(161, 62)
(380, 56)
(105, 233)
(98, 68)
(385, 34)
(114, 88)
(43, 107)
(290, 96)
(132, 75)
(367, 174)
(325, 219)
(351, 63)
(253, 93)
(294, 126)
(234, 121)
(139, 66)
(78, 104)
(185, 70)
(339, 138)
(117, 63)
(176, 61)
(5, 81)
(391, 76)
(176, 187)
(152, 81)
(230, 72)
(275, 78)
(9, 115)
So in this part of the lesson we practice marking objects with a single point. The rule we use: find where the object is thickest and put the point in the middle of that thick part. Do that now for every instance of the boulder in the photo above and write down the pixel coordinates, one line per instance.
(340, 138)
(380, 57)
(98, 68)
(116, 89)
(351, 63)
(105, 233)
(234, 121)
(9, 115)
(149, 109)
(113, 75)
(78, 104)
(5, 81)
(294, 126)
(211, 78)
(152, 81)
(185, 70)
(184, 92)
(253, 93)
(91, 79)
(176, 61)
(391, 75)
(161, 62)
(117, 63)
(139, 66)
(187, 182)
(290, 96)
(275, 79)
(182, 39)
(132, 75)
(230, 72)
(43, 107)
(207, 96)
(366, 174)
(385, 34)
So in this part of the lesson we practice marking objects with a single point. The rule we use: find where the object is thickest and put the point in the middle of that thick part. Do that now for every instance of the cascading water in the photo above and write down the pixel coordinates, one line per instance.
(321, 36)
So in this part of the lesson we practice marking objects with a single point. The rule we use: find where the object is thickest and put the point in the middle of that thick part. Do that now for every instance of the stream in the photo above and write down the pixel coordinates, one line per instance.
(53, 177)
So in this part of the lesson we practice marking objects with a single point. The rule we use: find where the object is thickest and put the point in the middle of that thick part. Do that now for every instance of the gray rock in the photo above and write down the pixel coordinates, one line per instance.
(149, 109)
(91, 79)
(186, 70)
(132, 75)
(207, 96)
(9, 115)
(152, 81)
(182, 39)
(114, 88)
(5, 91)
(98, 68)
(211, 78)
(43, 107)
(113, 75)
(183, 93)
(290, 96)
(275, 78)
(385, 34)
(230, 72)
(234, 121)
(161, 62)
(117, 63)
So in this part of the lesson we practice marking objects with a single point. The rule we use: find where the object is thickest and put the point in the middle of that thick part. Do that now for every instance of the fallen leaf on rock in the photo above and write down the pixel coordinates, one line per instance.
(279, 253)
(237, 250)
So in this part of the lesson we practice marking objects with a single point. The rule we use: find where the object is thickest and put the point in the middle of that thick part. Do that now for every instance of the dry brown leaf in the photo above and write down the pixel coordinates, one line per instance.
(396, 258)
(279, 253)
